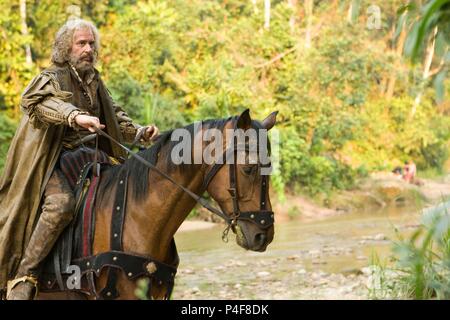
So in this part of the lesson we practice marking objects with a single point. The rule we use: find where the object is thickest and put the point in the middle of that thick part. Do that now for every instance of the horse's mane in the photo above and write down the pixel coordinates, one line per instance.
(160, 150)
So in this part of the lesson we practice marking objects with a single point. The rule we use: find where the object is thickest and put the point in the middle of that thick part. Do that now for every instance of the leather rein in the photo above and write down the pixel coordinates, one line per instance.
(263, 218)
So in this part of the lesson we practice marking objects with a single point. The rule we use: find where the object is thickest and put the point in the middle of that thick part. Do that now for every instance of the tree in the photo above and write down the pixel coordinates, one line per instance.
(292, 20)
(23, 17)
(428, 30)
(267, 14)
(309, 4)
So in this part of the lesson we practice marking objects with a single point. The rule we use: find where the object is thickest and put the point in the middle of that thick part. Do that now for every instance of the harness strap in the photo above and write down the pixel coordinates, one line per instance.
(263, 219)
(263, 191)
(117, 221)
(133, 266)
(233, 184)
(216, 167)
(57, 266)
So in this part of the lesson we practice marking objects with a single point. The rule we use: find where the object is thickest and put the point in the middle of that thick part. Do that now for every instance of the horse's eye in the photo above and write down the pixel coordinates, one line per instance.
(249, 170)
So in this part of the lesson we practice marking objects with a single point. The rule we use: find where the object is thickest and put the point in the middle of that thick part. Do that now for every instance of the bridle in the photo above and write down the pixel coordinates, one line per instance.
(263, 218)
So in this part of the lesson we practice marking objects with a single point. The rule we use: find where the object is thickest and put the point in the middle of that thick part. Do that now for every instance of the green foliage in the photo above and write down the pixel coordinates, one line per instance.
(427, 23)
(435, 13)
(174, 62)
(294, 212)
(142, 288)
(14, 72)
(389, 135)
(422, 261)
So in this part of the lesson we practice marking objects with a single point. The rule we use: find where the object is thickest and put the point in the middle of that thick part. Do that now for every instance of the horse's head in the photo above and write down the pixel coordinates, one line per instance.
(240, 185)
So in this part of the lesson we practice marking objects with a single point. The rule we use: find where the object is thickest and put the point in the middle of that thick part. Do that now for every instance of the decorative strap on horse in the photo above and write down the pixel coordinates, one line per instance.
(132, 265)
(117, 221)
(116, 259)
(263, 218)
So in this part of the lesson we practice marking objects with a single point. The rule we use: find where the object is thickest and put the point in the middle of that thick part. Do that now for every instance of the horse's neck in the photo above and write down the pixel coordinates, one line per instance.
(151, 223)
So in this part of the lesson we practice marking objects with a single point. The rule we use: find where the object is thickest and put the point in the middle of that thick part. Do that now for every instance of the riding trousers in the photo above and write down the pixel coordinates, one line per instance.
(59, 202)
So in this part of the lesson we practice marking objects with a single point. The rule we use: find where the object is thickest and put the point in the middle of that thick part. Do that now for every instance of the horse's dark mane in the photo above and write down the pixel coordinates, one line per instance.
(160, 150)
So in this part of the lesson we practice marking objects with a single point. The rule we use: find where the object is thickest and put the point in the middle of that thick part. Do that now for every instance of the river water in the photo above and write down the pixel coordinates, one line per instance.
(319, 259)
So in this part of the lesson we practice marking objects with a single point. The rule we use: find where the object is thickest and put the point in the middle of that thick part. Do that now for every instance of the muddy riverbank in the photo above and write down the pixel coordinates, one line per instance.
(321, 253)
(322, 259)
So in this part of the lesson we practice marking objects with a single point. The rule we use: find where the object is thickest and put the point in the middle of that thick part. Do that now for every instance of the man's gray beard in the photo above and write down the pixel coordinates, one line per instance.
(82, 66)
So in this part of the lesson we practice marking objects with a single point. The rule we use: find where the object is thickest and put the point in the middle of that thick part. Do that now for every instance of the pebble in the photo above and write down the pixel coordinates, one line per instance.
(344, 290)
(368, 270)
(275, 277)
(195, 290)
(377, 237)
(380, 237)
(301, 271)
(323, 281)
(314, 253)
(188, 271)
(318, 275)
(263, 274)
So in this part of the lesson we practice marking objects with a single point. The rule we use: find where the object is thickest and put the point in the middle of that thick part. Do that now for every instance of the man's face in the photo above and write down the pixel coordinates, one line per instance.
(82, 55)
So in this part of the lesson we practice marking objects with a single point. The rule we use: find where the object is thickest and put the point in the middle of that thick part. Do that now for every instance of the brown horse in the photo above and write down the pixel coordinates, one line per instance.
(155, 207)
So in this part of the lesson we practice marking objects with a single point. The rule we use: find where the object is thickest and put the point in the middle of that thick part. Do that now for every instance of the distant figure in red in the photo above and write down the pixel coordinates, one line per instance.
(409, 171)
(398, 172)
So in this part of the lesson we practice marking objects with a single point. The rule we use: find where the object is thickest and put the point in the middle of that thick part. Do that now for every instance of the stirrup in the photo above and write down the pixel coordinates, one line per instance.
(13, 283)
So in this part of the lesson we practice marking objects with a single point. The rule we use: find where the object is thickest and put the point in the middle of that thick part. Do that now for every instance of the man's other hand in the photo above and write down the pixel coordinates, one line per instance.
(88, 122)
(151, 132)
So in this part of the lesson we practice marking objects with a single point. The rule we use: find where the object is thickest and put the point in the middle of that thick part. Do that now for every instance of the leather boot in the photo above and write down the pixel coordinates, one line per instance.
(55, 216)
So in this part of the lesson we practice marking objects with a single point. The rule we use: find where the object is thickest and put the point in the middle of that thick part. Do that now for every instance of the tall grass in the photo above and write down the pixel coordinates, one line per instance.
(421, 268)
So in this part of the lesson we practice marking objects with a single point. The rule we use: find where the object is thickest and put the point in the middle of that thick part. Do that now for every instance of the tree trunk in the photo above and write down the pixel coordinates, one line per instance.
(398, 51)
(426, 70)
(350, 13)
(255, 6)
(309, 15)
(353, 11)
(293, 5)
(24, 29)
(267, 14)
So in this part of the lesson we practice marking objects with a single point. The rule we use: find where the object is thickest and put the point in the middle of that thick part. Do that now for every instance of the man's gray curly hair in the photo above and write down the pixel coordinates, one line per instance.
(64, 38)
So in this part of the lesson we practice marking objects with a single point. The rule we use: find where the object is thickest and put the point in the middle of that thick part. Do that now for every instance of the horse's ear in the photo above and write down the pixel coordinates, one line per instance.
(244, 121)
(269, 122)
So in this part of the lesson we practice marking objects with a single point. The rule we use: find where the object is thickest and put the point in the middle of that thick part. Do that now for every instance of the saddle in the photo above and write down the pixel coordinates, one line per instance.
(71, 264)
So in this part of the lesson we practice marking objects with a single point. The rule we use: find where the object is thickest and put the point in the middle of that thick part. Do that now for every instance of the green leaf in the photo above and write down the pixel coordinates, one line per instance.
(356, 4)
(412, 39)
(439, 85)
(400, 25)
(407, 7)
(425, 24)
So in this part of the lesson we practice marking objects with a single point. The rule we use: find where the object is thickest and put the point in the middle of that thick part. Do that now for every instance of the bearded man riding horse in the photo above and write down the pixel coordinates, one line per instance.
(62, 106)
